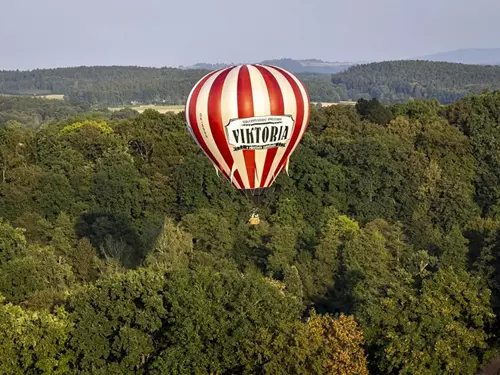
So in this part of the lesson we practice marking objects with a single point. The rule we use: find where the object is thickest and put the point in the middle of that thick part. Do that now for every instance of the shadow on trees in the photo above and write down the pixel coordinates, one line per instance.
(339, 298)
(113, 236)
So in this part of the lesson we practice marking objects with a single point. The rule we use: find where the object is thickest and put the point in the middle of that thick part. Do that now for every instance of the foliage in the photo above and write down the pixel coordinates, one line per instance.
(373, 111)
(397, 81)
(102, 126)
(33, 342)
(122, 251)
(35, 112)
(341, 344)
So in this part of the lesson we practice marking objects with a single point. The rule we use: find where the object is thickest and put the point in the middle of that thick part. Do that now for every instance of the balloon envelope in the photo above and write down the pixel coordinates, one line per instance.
(248, 119)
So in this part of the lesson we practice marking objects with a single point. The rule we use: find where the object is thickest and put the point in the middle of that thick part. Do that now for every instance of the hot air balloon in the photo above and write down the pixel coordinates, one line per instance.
(248, 119)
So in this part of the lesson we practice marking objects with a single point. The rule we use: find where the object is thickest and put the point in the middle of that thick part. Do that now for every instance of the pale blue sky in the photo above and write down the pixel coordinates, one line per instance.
(52, 33)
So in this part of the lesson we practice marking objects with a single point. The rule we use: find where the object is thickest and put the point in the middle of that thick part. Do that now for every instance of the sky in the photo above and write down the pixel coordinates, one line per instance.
(58, 33)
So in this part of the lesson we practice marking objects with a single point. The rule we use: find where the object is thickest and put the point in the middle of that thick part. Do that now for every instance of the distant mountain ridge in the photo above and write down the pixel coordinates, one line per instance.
(292, 65)
(473, 56)
(476, 56)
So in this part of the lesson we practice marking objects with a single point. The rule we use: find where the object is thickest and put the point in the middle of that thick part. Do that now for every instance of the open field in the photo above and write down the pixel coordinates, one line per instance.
(327, 104)
(52, 96)
(159, 108)
(48, 96)
(180, 108)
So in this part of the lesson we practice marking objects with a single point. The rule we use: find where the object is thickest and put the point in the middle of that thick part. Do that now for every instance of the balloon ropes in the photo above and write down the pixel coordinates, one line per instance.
(248, 119)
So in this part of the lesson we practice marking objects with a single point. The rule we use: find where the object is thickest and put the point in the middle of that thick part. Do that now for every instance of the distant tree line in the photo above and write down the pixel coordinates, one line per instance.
(392, 81)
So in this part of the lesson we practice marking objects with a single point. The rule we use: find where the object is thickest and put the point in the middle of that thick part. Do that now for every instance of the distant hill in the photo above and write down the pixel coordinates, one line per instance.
(207, 66)
(130, 85)
(473, 56)
(401, 80)
(310, 65)
(292, 65)
(481, 56)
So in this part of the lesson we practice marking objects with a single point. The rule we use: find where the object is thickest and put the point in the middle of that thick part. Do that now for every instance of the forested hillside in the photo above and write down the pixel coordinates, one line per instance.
(104, 85)
(122, 252)
(391, 81)
(117, 86)
(387, 81)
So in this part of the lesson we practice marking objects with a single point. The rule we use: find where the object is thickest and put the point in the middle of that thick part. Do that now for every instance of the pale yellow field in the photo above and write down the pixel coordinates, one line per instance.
(49, 96)
(159, 108)
(327, 104)
(180, 108)
(52, 96)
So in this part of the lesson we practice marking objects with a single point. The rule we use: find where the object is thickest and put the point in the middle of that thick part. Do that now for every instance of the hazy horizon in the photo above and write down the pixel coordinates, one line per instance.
(152, 33)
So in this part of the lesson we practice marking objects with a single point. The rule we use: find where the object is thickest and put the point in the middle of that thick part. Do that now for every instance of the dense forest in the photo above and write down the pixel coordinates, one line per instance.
(117, 86)
(392, 81)
(122, 251)
(35, 112)
(105, 85)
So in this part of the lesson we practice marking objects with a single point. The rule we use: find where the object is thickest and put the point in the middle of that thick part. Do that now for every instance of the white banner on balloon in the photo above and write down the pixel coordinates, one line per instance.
(260, 132)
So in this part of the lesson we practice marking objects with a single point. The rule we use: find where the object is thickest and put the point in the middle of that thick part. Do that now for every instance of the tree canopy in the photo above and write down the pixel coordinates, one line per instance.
(123, 252)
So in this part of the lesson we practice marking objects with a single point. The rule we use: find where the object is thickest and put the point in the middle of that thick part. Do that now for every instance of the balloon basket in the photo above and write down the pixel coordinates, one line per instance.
(254, 218)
